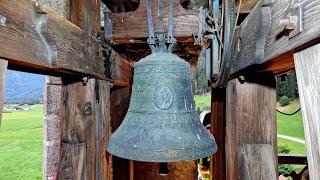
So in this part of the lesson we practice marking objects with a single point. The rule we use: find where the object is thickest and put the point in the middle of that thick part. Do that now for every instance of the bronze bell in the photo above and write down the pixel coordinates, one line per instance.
(161, 124)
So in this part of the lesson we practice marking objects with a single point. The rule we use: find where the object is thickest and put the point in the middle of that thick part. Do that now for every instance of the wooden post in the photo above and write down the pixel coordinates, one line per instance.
(218, 125)
(131, 170)
(77, 121)
(258, 162)
(250, 119)
(307, 64)
(3, 75)
(119, 98)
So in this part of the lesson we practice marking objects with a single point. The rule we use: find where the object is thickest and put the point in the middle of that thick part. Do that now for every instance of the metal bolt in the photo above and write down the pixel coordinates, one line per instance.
(239, 45)
(85, 81)
(241, 79)
(39, 10)
(291, 22)
(214, 77)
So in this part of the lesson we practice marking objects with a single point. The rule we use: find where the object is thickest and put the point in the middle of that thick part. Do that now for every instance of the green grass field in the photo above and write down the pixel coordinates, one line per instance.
(286, 125)
(203, 102)
(291, 126)
(21, 140)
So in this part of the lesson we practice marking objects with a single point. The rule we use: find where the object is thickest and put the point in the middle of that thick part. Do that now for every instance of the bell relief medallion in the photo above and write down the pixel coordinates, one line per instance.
(163, 97)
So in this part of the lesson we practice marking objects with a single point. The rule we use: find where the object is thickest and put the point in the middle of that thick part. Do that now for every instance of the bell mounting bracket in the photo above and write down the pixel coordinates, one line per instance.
(160, 42)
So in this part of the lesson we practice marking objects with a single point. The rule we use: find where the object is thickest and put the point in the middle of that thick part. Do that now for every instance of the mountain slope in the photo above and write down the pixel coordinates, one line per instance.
(23, 87)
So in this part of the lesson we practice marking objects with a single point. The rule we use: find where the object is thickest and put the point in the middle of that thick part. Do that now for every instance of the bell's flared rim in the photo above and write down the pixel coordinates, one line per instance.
(168, 155)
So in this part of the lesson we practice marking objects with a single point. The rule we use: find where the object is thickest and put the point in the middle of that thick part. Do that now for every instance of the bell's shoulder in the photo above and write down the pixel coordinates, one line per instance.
(160, 58)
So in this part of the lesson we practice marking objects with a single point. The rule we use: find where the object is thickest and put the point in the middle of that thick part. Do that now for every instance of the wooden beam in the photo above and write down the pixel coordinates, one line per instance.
(218, 125)
(268, 45)
(85, 120)
(131, 170)
(292, 159)
(246, 5)
(119, 99)
(40, 40)
(250, 119)
(119, 68)
(86, 17)
(307, 64)
(78, 119)
(103, 128)
(258, 162)
(3, 76)
(126, 29)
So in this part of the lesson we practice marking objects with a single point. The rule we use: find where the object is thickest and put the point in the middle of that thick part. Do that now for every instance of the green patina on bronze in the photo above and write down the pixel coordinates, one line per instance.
(161, 124)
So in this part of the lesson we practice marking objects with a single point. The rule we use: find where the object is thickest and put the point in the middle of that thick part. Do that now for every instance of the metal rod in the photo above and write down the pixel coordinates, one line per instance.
(160, 16)
(150, 23)
(170, 21)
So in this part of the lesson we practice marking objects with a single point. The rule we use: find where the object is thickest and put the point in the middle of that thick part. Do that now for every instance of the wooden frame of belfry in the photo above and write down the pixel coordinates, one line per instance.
(90, 74)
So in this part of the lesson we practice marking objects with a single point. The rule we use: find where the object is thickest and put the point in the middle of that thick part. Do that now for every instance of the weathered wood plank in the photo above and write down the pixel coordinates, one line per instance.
(86, 109)
(258, 162)
(218, 125)
(78, 119)
(119, 100)
(3, 76)
(125, 25)
(307, 64)
(103, 126)
(119, 68)
(252, 34)
(38, 39)
(250, 118)
(278, 46)
(86, 119)
(73, 166)
(246, 5)
(82, 110)
(86, 16)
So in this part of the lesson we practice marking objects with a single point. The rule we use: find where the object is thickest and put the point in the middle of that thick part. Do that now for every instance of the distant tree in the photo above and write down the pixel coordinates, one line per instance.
(287, 86)
(201, 85)
(284, 100)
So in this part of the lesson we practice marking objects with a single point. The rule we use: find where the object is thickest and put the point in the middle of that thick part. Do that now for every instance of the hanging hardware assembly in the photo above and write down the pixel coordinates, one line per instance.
(217, 34)
(161, 124)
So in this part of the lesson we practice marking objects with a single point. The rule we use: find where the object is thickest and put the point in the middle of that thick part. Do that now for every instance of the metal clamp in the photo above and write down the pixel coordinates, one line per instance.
(293, 23)
(159, 42)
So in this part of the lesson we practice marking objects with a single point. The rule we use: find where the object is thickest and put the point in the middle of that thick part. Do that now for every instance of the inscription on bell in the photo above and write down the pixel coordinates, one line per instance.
(163, 97)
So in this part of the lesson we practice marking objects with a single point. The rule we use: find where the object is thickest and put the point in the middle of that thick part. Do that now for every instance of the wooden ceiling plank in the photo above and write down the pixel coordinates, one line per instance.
(133, 25)
(38, 38)
(268, 45)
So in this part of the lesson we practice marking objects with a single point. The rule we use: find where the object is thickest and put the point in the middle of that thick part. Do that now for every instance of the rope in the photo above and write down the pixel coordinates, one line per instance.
(289, 114)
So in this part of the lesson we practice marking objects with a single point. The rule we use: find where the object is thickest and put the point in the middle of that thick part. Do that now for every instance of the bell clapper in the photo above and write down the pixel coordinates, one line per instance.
(163, 169)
